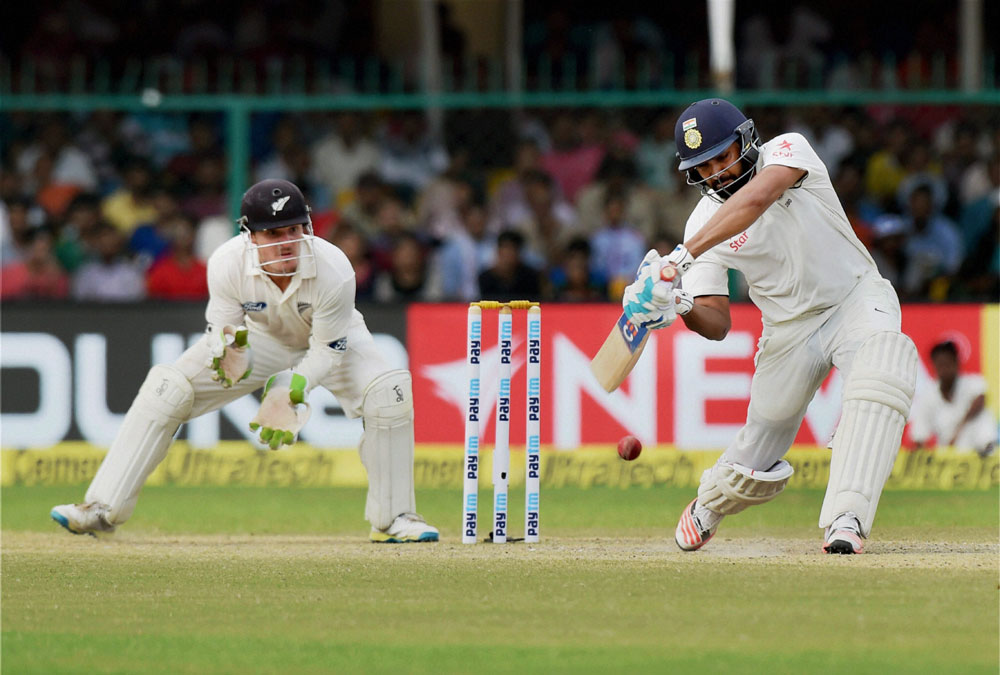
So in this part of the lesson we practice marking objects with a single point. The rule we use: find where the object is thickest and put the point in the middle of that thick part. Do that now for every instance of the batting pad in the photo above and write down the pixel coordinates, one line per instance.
(877, 398)
(387, 447)
(164, 401)
(729, 488)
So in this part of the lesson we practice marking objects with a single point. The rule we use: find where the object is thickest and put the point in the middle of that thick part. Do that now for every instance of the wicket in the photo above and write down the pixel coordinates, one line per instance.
(501, 452)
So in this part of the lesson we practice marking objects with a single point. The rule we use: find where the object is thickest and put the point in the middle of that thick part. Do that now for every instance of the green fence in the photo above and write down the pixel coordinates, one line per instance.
(240, 89)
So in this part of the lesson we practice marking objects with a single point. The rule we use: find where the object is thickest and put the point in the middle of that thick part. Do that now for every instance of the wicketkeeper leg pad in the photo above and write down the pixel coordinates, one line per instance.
(728, 487)
(387, 447)
(164, 402)
(877, 397)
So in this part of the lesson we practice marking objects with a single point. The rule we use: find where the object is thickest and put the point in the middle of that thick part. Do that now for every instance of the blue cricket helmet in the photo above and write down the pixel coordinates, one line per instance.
(706, 128)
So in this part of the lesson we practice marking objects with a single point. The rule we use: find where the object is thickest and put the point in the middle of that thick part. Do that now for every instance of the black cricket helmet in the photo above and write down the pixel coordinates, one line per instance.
(268, 205)
(273, 203)
(704, 131)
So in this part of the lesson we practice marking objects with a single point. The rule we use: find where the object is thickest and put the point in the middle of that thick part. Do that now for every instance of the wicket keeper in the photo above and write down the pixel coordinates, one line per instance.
(281, 316)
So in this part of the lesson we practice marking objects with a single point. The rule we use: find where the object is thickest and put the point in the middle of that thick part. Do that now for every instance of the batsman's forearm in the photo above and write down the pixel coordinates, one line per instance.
(735, 216)
(707, 322)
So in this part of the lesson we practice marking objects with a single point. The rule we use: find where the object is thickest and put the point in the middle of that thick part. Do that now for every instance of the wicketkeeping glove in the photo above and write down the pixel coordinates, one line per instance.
(231, 359)
(283, 410)
(638, 301)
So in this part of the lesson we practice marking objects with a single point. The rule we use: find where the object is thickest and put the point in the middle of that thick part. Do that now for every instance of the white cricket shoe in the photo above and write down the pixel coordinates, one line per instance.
(90, 518)
(844, 535)
(407, 527)
(696, 527)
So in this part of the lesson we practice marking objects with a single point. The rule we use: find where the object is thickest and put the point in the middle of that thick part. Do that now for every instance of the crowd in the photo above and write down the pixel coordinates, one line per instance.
(549, 204)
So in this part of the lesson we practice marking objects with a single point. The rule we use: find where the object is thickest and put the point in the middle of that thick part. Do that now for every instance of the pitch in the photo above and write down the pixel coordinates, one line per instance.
(251, 580)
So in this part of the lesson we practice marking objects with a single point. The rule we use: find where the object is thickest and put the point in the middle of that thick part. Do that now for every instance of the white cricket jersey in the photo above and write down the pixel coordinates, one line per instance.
(313, 313)
(933, 415)
(800, 256)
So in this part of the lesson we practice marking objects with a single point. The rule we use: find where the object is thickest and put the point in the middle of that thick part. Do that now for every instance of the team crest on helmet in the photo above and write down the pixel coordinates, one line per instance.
(279, 204)
(692, 138)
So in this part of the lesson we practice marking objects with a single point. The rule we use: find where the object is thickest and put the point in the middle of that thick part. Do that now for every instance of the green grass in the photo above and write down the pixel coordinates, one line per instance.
(258, 580)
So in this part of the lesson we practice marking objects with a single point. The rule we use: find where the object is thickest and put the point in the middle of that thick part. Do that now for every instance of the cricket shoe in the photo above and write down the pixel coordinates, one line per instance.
(90, 518)
(406, 528)
(844, 535)
(696, 527)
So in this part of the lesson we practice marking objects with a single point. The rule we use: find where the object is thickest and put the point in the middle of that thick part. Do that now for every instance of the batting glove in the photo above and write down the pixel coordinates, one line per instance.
(638, 302)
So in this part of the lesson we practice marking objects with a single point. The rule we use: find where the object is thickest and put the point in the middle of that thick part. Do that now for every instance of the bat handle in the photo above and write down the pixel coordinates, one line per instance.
(668, 273)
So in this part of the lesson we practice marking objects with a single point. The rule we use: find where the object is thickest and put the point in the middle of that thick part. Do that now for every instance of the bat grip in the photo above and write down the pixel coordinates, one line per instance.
(668, 272)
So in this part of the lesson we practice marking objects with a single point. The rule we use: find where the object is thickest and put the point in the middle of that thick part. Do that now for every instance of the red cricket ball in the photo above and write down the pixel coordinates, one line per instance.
(629, 448)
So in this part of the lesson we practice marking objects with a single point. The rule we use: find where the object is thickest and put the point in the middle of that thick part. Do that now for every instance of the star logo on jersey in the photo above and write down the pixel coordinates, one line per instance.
(279, 204)
(784, 149)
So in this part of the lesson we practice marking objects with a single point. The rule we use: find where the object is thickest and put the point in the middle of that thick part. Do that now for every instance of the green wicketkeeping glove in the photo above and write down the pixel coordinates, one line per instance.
(283, 410)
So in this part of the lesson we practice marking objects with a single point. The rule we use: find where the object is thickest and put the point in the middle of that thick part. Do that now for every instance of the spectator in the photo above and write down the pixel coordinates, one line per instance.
(933, 248)
(922, 169)
(574, 280)
(510, 278)
(343, 156)
(410, 156)
(132, 205)
(888, 248)
(23, 218)
(70, 165)
(38, 274)
(626, 46)
(76, 243)
(860, 211)
(353, 244)
(571, 163)
(618, 245)
(209, 196)
(101, 141)
(953, 410)
(618, 174)
(463, 255)
(442, 203)
(178, 275)
(509, 205)
(393, 222)
(151, 241)
(203, 141)
(369, 193)
(657, 154)
(885, 171)
(406, 279)
(548, 220)
(112, 277)
(53, 196)
(980, 227)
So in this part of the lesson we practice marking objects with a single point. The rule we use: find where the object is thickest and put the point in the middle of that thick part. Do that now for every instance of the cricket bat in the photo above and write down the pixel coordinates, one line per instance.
(623, 347)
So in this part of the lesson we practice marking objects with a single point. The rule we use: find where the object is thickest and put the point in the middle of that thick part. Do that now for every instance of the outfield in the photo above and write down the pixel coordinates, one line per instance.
(239, 580)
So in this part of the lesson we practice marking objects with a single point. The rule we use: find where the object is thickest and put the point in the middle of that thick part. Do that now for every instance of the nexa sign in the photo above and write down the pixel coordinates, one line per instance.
(75, 382)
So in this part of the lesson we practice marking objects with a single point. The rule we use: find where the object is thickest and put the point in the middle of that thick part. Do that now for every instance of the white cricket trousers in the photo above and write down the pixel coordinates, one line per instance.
(361, 363)
(794, 357)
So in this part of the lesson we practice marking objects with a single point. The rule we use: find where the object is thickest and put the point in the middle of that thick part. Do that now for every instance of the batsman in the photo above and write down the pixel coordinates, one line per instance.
(280, 316)
(770, 211)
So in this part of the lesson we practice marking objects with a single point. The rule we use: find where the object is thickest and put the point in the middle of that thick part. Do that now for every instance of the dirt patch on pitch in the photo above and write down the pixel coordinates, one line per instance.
(953, 555)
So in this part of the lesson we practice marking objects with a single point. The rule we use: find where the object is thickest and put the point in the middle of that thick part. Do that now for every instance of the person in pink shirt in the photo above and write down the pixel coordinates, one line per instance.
(572, 163)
